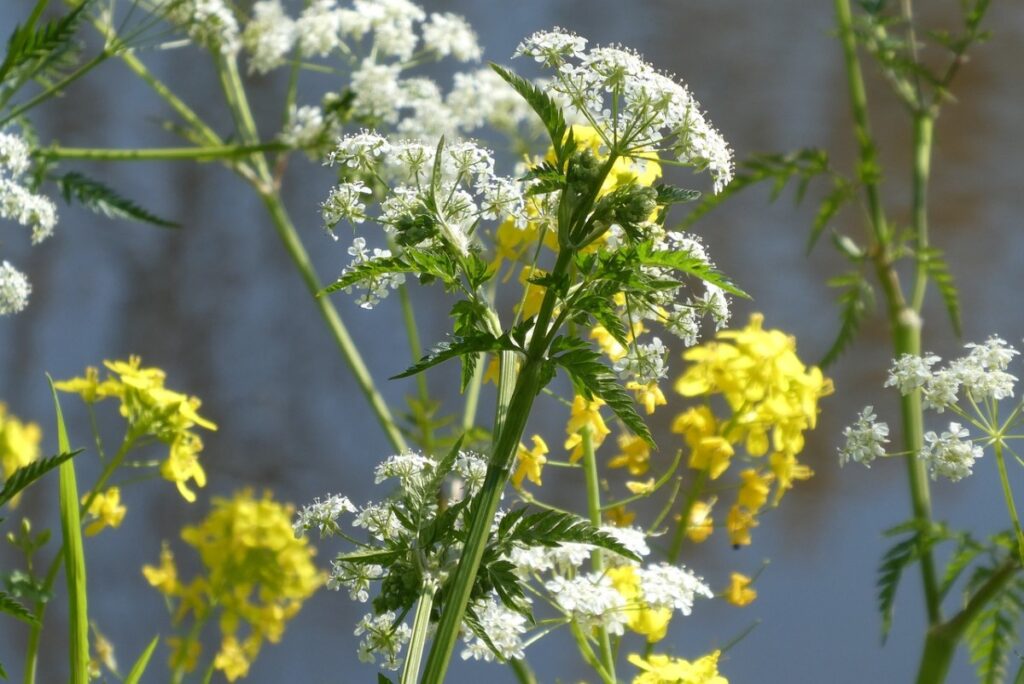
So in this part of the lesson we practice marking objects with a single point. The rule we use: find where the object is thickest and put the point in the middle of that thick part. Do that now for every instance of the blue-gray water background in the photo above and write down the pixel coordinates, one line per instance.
(220, 307)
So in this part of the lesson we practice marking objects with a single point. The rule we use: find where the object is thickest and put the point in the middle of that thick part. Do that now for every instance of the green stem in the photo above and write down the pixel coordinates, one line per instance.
(596, 559)
(509, 430)
(473, 393)
(416, 352)
(205, 153)
(522, 671)
(924, 126)
(420, 626)
(905, 322)
(684, 521)
(55, 89)
(1008, 495)
(942, 639)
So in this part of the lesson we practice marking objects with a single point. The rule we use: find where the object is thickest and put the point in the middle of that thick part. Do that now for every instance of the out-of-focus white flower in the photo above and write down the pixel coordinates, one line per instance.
(449, 34)
(383, 639)
(14, 289)
(268, 37)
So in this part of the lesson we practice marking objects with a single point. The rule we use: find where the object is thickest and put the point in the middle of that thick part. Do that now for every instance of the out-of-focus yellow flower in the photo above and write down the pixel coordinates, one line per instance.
(643, 488)
(533, 295)
(102, 653)
(620, 516)
(739, 592)
(493, 372)
(661, 669)
(530, 462)
(585, 414)
(611, 347)
(753, 490)
(634, 454)
(511, 242)
(644, 170)
(701, 525)
(640, 617)
(184, 653)
(712, 454)
(648, 395)
(106, 510)
(151, 410)
(773, 396)
(787, 469)
(738, 523)
(256, 573)
(19, 444)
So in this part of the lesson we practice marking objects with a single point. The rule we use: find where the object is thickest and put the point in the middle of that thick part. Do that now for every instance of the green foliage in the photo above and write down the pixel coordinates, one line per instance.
(468, 345)
(434, 264)
(592, 378)
(669, 194)
(777, 169)
(842, 193)
(74, 557)
(967, 551)
(895, 560)
(551, 528)
(547, 109)
(103, 200)
(684, 263)
(139, 668)
(994, 634)
(32, 50)
(938, 270)
(855, 298)
(546, 178)
(25, 476)
(9, 605)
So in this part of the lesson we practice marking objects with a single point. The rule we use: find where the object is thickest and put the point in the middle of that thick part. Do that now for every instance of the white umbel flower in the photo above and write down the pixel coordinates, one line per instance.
(504, 628)
(449, 34)
(910, 372)
(382, 638)
(345, 203)
(269, 36)
(864, 439)
(951, 454)
(591, 600)
(14, 290)
(322, 515)
(319, 28)
(673, 587)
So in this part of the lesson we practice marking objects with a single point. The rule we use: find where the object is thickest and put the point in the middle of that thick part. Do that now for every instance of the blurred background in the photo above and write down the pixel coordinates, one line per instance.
(220, 307)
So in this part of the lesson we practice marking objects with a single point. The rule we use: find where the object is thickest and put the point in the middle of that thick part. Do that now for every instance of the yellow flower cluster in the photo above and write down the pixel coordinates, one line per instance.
(19, 443)
(661, 669)
(105, 510)
(256, 572)
(772, 398)
(151, 409)
(530, 462)
(585, 413)
(640, 617)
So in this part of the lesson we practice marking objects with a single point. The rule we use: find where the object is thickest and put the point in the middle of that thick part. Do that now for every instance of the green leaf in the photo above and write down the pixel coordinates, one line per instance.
(103, 200)
(856, 298)
(898, 557)
(74, 556)
(592, 378)
(938, 270)
(369, 556)
(551, 528)
(42, 45)
(139, 668)
(684, 263)
(967, 551)
(546, 108)
(842, 193)
(994, 634)
(422, 262)
(545, 177)
(10, 606)
(777, 169)
(381, 679)
(473, 343)
(26, 475)
(669, 194)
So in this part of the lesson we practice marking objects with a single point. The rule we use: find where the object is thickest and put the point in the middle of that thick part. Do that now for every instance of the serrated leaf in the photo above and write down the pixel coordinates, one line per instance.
(841, 194)
(685, 263)
(546, 108)
(370, 556)
(9, 605)
(935, 264)
(474, 343)
(966, 552)
(895, 560)
(551, 528)
(993, 635)
(778, 169)
(669, 194)
(139, 668)
(103, 200)
(856, 298)
(592, 378)
(41, 45)
(26, 475)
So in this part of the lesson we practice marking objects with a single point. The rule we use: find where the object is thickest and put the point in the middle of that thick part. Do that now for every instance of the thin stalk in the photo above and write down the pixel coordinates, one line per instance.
(509, 430)
(904, 320)
(924, 126)
(416, 351)
(1011, 507)
(684, 522)
(420, 626)
(596, 559)
(473, 393)
(205, 153)
(522, 671)
(55, 88)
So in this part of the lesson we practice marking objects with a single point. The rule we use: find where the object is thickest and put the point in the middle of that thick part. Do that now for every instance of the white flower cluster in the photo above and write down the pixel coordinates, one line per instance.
(635, 106)
(671, 587)
(356, 577)
(950, 454)
(865, 439)
(210, 23)
(323, 515)
(504, 628)
(21, 205)
(980, 374)
(377, 287)
(644, 363)
(382, 638)
(591, 600)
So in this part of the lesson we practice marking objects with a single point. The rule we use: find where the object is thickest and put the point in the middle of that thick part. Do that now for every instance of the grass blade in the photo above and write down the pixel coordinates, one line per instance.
(139, 668)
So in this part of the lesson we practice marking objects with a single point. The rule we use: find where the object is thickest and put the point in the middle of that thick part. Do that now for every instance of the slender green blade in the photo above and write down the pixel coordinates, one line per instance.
(139, 668)
(74, 556)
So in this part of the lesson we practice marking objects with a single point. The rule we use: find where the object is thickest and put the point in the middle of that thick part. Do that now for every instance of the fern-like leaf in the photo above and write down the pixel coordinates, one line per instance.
(898, 557)
(9, 605)
(856, 298)
(841, 194)
(551, 528)
(938, 270)
(472, 344)
(994, 634)
(42, 44)
(546, 108)
(103, 200)
(26, 475)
